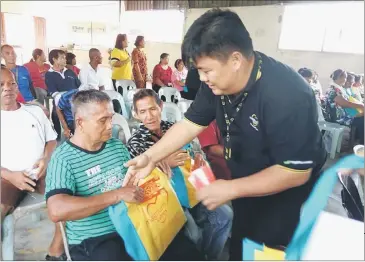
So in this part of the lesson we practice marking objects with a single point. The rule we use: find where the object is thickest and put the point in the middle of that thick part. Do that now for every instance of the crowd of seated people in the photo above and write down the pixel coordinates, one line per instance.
(85, 114)
(343, 101)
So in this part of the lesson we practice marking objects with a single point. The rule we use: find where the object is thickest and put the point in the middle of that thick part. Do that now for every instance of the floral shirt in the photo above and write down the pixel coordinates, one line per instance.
(333, 112)
(139, 59)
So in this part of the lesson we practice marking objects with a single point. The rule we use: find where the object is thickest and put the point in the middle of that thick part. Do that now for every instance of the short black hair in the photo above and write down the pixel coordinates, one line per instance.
(177, 62)
(217, 33)
(54, 54)
(91, 51)
(142, 93)
(337, 74)
(138, 41)
(69, 58)
(305, 72)
(83, 97)
(164, 55)
(358, 78)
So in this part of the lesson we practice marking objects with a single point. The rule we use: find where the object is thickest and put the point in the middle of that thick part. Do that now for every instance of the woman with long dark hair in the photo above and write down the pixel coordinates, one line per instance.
(121, 60)
(139, 63)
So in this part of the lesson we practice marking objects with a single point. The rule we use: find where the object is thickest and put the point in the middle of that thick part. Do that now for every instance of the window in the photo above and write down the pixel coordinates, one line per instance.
(328, 27)
(23, 40)
(165, 26)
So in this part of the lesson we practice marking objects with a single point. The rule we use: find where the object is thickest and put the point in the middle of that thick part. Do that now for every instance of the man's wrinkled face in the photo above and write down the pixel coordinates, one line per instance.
(60, 61)
(96, 121)
(9, 87)
(149, 113)
(9, 55)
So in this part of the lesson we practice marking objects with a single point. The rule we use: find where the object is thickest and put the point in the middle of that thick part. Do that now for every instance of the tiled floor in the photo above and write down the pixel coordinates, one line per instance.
(32, 238)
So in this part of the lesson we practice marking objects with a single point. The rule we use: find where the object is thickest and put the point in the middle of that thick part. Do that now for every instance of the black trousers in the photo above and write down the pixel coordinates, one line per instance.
(358, 123)
(271, 220)
(56, 121)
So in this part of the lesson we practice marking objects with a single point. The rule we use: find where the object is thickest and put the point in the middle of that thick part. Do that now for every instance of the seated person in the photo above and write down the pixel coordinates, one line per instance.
(162, 73)
(216, 225)
(85, 177)
(22, 76)
(27, 142)
(64, 113)
(89, 75)
(337, 100)
(357, 87)
(59, 79)
(71, 63)
(178, 77)
(211, 143)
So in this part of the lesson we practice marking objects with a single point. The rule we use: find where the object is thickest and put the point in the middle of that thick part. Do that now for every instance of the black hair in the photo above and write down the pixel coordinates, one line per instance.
(217, 33)
(54, 54)
(163, 56)
(177, 62)
(337, 74)
(91, 51)
(83, 97)
(142, 93)
(69, 58)
(350, 76)
(305, 72)
(139, 39)
(358, 78)
(119, 41)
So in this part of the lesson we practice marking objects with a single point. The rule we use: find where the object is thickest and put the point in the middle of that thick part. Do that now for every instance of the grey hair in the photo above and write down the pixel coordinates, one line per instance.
(86, 97)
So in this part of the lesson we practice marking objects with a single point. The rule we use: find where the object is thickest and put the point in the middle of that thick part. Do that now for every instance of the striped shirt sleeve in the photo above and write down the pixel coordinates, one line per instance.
(59, 178)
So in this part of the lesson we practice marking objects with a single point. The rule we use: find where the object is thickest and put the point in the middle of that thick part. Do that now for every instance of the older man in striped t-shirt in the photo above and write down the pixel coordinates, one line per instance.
(84, 178)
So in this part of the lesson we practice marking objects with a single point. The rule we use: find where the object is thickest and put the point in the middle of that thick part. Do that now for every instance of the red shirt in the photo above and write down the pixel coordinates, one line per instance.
(163, 75)
(76, 70)
(211, 136)
(37, 74)
(20, 98)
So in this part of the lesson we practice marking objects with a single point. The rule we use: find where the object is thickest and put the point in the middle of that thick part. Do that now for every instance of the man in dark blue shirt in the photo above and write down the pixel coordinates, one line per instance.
(59, 79)
(64, 112)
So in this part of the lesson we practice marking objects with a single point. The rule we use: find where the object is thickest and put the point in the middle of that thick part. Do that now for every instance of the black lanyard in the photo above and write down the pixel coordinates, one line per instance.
(255, 75)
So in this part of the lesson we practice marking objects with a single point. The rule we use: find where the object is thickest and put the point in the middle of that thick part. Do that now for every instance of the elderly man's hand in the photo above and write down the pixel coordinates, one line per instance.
(21, 181)
(138, 168)
(132, 194)
(178, 158)
(41, 165)
(165, 167)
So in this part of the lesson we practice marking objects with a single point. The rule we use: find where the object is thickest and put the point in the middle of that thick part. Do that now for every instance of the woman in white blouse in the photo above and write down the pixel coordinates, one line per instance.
(179, 76)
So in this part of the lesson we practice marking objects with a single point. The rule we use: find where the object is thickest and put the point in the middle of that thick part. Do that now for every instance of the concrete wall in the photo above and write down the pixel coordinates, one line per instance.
(263, 23)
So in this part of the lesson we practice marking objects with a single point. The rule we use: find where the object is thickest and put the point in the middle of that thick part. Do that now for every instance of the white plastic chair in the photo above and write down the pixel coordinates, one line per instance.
(126, 85)
(32, 202)
(184, 105)
(171, 112)
(128, 98)
(114, 95)
(120, 121)
(171, 94)
(57, 97)
(336, 131)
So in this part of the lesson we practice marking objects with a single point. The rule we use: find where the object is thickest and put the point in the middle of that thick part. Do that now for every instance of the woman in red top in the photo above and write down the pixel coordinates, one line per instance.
(162, 73)
(37, 68)
(71, 63)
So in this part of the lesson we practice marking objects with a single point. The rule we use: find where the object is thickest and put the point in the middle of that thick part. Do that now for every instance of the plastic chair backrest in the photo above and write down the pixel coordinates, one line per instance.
(125, 85)
(169, 94)
(114, 95)
(171, 112)
(351, 199)
(319, 110)
(184, 105)
(119, 120)
(315, 203)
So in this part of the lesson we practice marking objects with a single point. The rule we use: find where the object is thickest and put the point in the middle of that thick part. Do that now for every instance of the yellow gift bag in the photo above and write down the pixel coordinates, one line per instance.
(148, 228)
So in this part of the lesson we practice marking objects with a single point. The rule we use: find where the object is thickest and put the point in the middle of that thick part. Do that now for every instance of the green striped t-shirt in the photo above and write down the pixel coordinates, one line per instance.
(78, 172)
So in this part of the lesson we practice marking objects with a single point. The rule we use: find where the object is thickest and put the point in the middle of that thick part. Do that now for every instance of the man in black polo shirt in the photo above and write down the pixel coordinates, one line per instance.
(267, 115)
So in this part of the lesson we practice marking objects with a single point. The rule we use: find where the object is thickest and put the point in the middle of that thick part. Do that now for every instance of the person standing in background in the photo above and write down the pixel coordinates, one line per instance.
(21, 73)
(179, 75)
(139, 63)
(121, 61)
(71, 63)
(37, 68)
(162, 73)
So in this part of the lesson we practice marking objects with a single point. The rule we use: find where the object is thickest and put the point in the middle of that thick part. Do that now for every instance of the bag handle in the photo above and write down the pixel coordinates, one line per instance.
(316, 202)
